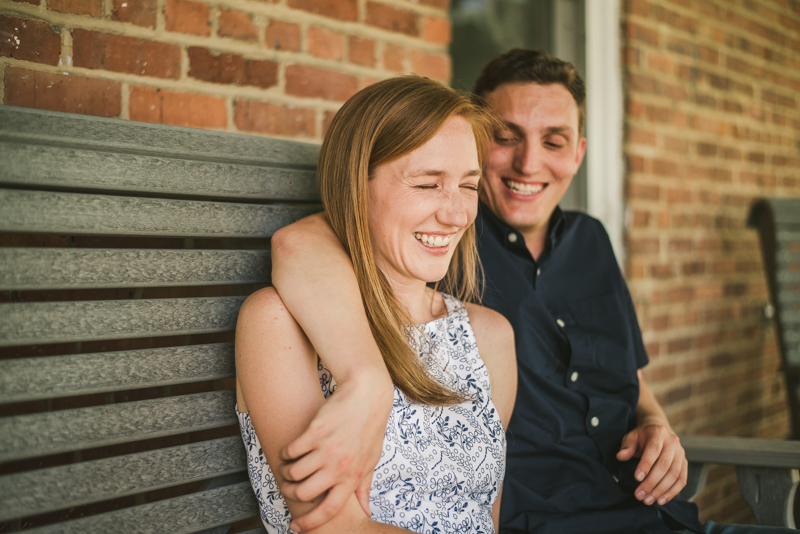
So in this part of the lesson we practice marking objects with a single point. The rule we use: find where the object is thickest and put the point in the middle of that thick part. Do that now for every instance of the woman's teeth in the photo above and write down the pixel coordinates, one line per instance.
(524, 189)
(433, 241)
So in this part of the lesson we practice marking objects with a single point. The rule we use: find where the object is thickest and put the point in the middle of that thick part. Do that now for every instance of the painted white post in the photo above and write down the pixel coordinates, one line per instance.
(604, 120)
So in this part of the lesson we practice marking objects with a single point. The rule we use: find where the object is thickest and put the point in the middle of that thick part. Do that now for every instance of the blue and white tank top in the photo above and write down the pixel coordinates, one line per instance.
(441, 468)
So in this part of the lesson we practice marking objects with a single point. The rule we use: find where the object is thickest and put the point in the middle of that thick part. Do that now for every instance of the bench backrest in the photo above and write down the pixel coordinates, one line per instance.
(778, 224)
(139, 244)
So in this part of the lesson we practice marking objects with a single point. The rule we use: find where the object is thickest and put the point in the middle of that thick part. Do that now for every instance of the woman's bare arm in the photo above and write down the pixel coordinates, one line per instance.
(341, 445)
(278, 384)
(495, 338)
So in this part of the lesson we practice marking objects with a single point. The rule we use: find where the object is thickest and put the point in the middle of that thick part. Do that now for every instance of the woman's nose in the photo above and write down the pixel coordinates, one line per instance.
(453, 210)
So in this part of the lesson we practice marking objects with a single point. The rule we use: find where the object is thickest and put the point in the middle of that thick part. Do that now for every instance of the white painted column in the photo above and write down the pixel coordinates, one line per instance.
(604, 121)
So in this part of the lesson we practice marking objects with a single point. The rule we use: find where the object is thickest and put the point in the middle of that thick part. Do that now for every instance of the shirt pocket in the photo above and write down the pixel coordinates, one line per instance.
(602, 325)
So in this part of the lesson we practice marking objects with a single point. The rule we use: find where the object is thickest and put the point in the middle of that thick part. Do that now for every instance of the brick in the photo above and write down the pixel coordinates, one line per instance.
(441, 4)
(139, 12)
(664, 167)
(394, 58)
(361, 51)
(679, 345)
(95, 50)
(706, 149)
(325, 43)
(274, 119)
(643, 246)
(161, 106)
(58, 92)
(637, 32)
(392, 18)
(231, 69)
(313, 82)
(436, 30)
(185, 16)
(431, 65)
(643, 191)
(639, 136)
(29, 40)
(33, 2)
(282, 36)
(337, 9)
(79, 7)
(326, 121)
(237, 24)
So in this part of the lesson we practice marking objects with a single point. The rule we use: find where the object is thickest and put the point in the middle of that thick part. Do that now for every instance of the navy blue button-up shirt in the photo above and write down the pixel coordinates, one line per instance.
(578, 351)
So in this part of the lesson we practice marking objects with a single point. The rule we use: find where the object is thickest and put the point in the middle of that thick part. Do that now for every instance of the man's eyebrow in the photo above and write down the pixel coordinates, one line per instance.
(558, 129)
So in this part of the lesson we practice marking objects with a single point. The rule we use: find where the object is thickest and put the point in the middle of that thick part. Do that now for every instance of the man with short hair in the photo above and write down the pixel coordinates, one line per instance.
(590, 449)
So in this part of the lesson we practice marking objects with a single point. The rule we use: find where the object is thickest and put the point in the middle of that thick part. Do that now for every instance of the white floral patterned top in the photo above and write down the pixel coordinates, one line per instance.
(441, 468)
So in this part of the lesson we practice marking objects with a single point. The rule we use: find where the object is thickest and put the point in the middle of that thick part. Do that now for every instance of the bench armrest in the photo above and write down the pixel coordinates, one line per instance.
(766, 470)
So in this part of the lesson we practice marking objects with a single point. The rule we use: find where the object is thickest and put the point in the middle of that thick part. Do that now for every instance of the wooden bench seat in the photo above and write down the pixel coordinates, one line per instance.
(126, 250)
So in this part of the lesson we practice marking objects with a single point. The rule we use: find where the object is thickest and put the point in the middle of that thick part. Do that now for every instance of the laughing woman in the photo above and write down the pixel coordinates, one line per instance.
(399, 172)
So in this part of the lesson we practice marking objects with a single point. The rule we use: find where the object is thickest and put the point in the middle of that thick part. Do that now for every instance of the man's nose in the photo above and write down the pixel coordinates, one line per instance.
(527, 158)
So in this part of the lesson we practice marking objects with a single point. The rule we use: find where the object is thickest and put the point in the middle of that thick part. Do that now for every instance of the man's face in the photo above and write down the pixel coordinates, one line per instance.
(532, 161)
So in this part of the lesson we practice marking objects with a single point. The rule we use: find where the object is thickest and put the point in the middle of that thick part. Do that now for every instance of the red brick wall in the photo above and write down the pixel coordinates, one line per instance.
(270, 67)
(712, 122)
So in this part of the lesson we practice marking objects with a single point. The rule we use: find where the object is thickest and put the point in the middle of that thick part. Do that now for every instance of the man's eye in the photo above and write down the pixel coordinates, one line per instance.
(505, 138)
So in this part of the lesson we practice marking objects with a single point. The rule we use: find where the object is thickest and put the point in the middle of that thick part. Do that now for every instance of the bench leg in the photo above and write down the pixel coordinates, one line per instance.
(770, 493)
(695, 482)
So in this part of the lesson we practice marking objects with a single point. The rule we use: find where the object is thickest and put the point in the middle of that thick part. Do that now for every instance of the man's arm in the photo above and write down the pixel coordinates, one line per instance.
(663, 468)
(339, 450)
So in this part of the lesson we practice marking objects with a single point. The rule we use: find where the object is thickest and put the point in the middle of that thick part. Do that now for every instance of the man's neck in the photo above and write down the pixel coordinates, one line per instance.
(536, 241)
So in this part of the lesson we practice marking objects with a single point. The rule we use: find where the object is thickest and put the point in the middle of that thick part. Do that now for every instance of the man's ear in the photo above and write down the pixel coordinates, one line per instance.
(580, 152)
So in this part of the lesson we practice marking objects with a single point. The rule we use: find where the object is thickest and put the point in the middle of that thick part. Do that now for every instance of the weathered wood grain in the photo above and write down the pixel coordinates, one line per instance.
(72, 268)
(73, 213)
(181, 515)
(30, 126)
(742, 451)
(69, 168)
(54, 322)
(57, 488)
(28, 379)
(28, 436)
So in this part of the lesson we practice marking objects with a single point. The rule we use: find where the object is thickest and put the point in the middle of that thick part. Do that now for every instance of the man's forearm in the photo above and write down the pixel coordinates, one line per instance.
(315, 278)
(649, 410)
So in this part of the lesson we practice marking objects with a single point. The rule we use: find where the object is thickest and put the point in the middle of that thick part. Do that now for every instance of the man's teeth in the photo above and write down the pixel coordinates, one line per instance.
(524, 189)
(434, 241)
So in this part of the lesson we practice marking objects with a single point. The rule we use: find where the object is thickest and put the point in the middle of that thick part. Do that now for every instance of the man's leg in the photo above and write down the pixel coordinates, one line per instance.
(713, 528)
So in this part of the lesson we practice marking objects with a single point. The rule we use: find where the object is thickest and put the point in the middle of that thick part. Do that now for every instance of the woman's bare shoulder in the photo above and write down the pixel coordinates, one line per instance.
(490, 325)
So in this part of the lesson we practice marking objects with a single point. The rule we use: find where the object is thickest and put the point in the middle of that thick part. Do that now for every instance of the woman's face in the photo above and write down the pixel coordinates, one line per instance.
(421, 204)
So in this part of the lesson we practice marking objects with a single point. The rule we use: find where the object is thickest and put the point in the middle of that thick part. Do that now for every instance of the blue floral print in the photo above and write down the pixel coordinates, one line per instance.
(441, 468)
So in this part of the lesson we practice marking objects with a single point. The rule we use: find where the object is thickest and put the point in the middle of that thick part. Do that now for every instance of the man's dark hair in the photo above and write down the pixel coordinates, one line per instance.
(537, 66)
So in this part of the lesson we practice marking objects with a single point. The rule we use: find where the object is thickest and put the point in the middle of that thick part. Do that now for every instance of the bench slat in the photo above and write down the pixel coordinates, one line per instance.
(181, 515)
(73, 213)
(57, 488)
(71, 268)
(74, 168)
(742, 451)
(56, 322)
(37, 127)
(27, 436)
(82, 374)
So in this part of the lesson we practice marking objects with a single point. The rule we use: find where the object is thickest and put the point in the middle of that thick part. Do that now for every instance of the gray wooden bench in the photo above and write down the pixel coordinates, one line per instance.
(145, 239)
(219, 197)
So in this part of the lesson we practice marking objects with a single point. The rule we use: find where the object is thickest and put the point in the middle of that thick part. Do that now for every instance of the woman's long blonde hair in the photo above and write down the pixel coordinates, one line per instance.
(377, 125)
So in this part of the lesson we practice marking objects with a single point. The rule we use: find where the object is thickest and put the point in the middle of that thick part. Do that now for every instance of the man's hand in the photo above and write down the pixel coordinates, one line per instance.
(663, 468)
(338, 452)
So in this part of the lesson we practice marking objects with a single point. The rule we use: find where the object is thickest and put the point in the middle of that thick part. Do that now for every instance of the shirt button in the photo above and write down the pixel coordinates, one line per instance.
(560, 323)
(595, 421)
(574, 376)
(512, 237)
(538, 272)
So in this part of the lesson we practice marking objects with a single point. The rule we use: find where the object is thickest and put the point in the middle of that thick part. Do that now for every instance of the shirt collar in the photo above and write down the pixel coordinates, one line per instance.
(503, 232)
